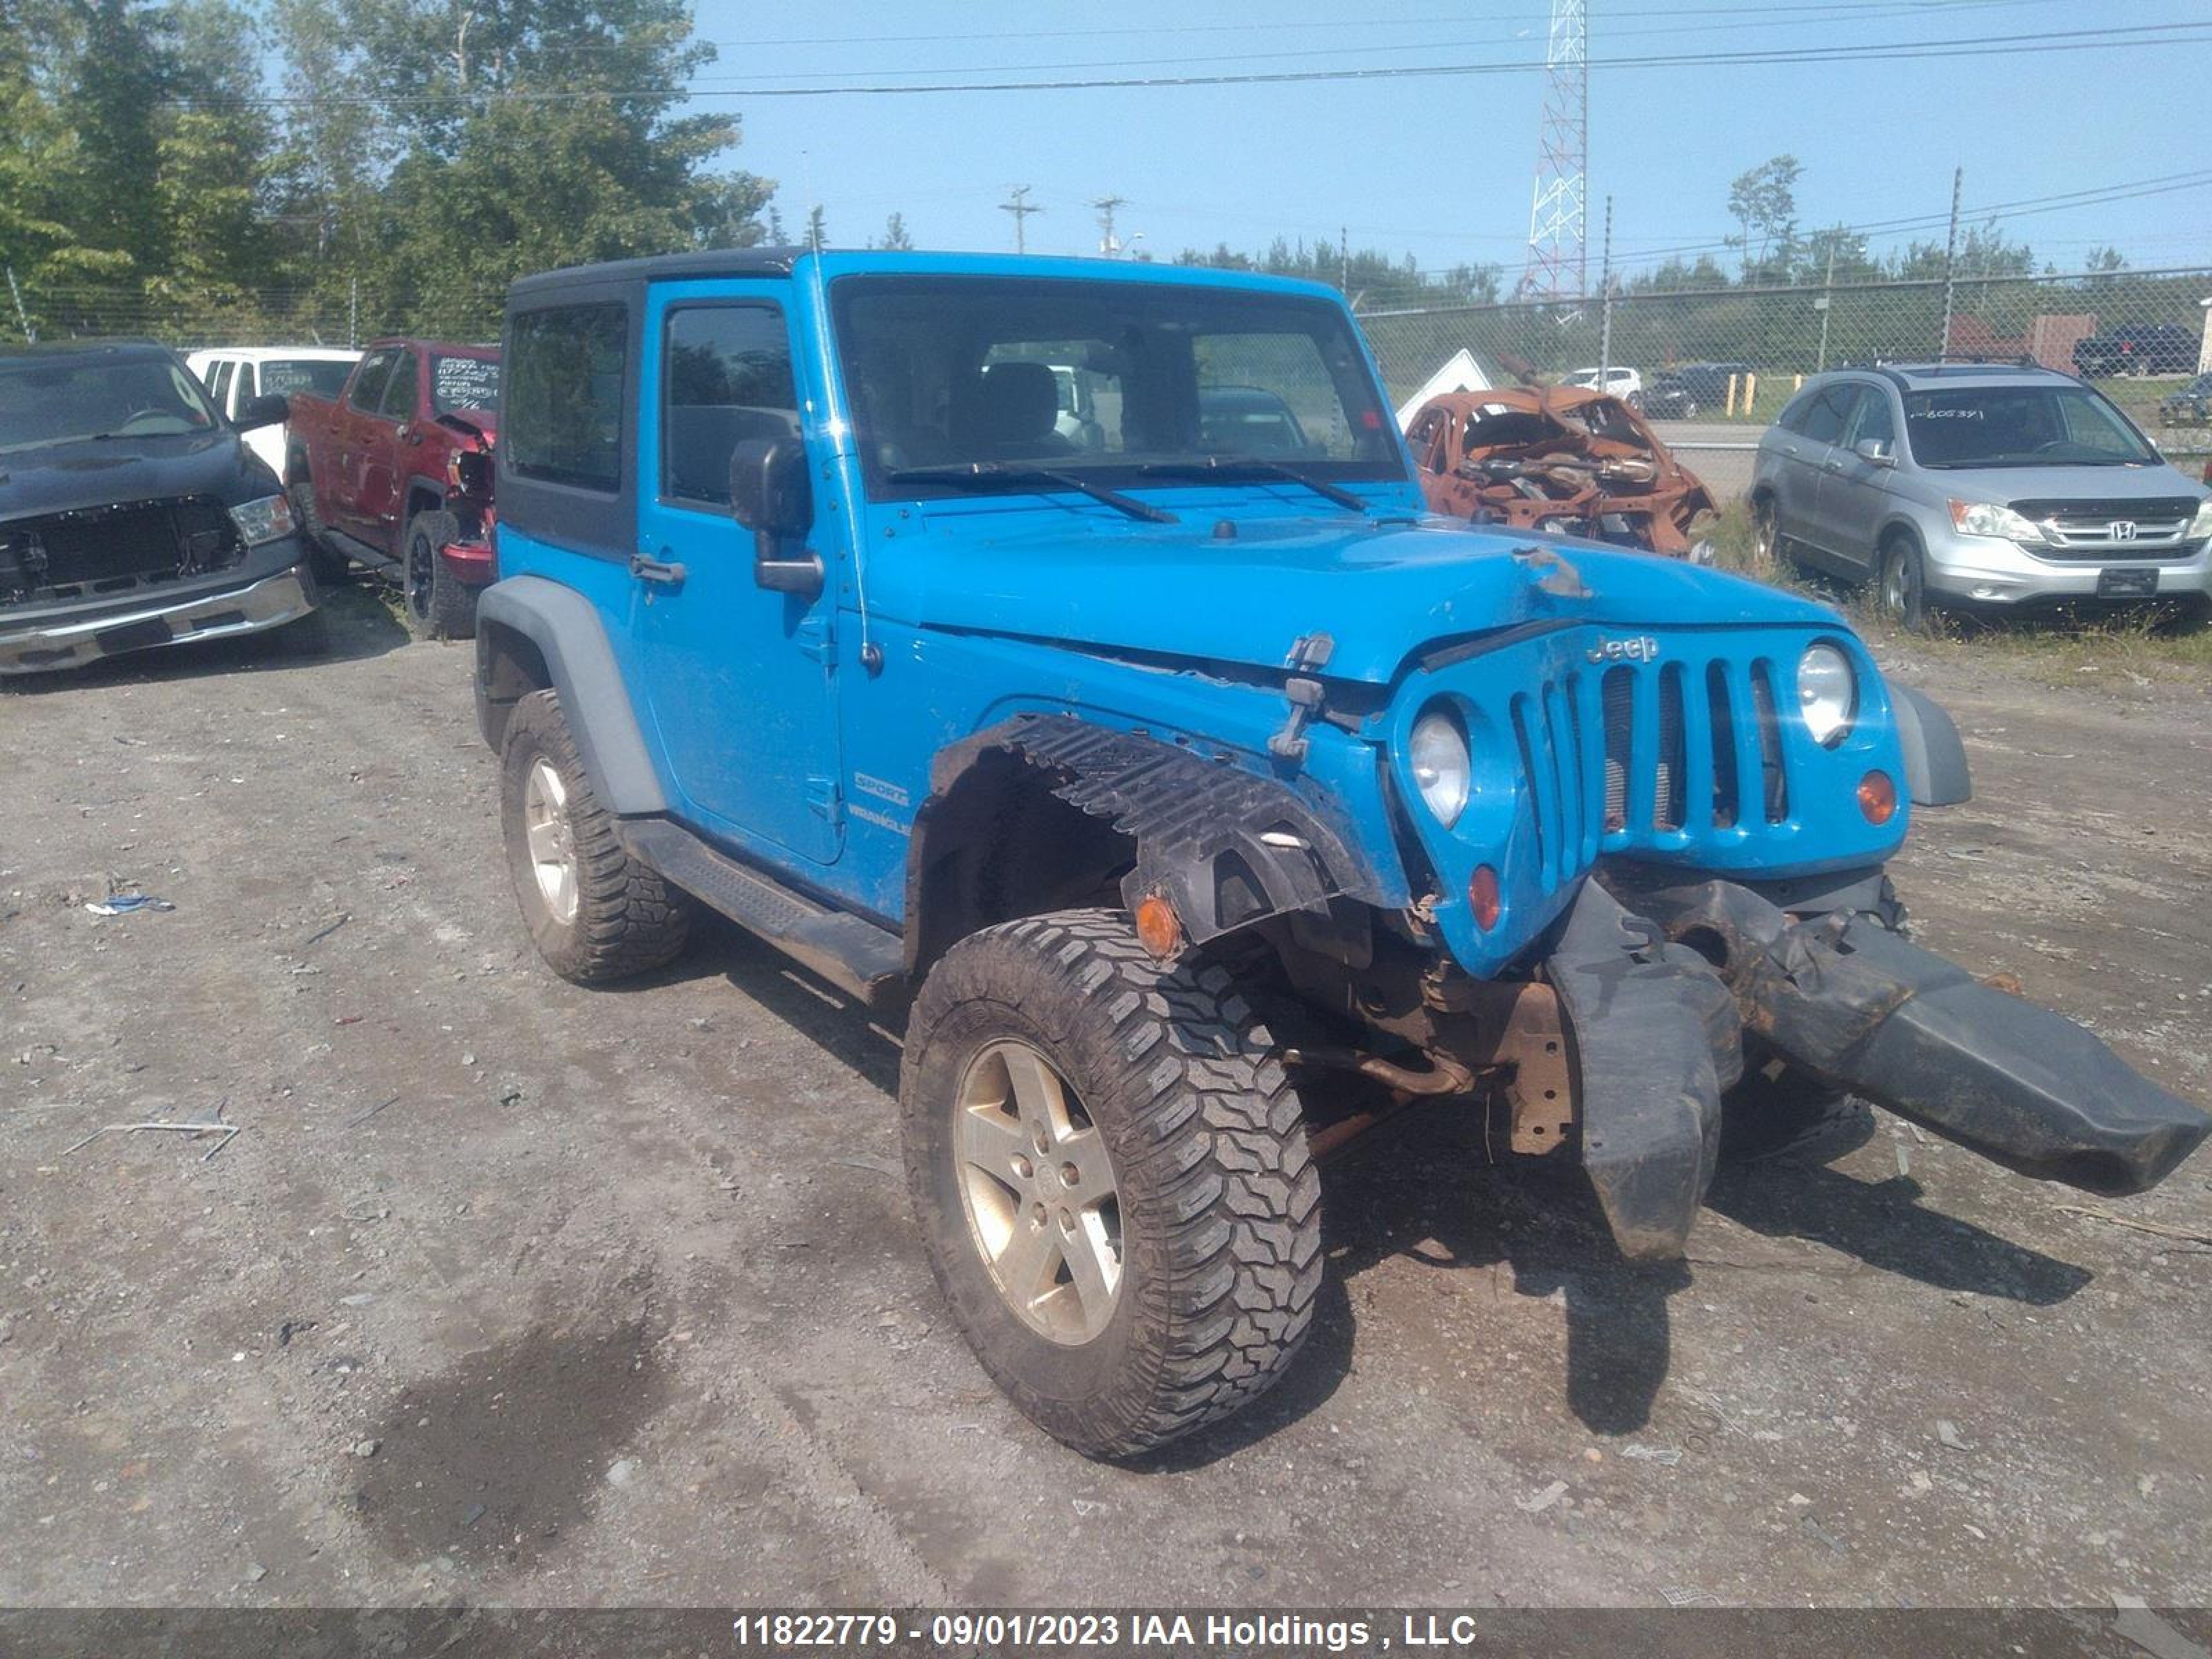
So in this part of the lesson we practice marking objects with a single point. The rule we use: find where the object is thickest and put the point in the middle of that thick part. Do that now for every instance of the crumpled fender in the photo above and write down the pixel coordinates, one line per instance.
(1654, 1040)
(1226, 846)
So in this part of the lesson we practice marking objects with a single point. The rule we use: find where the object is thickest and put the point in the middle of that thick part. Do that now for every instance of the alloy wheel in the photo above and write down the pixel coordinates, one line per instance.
(552, 841)
(1038, 1189)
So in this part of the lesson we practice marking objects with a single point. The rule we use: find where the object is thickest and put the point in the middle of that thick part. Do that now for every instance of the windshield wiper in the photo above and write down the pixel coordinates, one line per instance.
(1252, 466)
(982, 476)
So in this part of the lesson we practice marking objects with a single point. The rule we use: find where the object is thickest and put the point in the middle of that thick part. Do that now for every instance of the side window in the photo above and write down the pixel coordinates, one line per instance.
(564, 396)
(398, 401)
(218, 384)
(1872, 418)
(727, 378)
(249, 382)
(1422, 439)
(1792, 417)
(368, 385)
(1824, 419)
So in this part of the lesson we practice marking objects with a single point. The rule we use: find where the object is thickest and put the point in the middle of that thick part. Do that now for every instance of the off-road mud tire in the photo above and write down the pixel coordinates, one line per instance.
(1220, 1200)
(329, 566)
(629, 920)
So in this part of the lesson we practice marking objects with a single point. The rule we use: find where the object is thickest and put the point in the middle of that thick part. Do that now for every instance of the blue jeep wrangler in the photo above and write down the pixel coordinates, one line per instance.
(1058, 653)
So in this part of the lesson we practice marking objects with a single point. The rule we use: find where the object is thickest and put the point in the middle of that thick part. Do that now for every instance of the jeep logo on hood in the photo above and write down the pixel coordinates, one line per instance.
(1642, 649)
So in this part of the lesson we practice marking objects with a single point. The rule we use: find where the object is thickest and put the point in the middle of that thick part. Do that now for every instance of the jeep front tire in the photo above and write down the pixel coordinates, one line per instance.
(1108, 1165)
(596, 913)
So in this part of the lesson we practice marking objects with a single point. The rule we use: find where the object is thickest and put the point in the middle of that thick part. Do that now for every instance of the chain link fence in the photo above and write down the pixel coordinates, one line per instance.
(1712, 367)
(338, 313)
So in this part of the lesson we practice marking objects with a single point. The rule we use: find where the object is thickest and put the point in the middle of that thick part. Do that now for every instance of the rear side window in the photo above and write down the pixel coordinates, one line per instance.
(1825, 416)
(564, 396)
(728, 379)
(368, 385)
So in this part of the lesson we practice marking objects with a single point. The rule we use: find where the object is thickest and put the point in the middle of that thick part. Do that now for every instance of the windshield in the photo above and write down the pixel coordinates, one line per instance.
(324, 376)
(2020, 426)
(459, 383)
(1102, 380)
(45, 401)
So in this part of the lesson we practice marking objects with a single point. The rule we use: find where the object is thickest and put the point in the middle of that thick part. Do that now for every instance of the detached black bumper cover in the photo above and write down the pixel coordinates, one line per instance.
(1844, 998)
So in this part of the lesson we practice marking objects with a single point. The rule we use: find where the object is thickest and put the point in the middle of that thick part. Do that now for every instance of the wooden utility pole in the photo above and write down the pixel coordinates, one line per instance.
(1021, 208)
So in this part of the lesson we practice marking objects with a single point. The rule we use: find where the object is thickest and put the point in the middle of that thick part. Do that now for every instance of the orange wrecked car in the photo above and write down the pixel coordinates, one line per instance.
(1565, 459)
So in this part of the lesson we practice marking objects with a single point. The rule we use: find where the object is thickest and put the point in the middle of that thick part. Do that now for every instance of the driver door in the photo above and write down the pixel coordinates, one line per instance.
(741, 686)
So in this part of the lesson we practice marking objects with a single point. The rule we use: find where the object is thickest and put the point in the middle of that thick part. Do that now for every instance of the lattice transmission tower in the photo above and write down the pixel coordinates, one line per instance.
(1559, 263)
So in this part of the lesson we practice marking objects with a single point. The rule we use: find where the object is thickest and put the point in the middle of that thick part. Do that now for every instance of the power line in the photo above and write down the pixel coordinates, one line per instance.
(1978, 46)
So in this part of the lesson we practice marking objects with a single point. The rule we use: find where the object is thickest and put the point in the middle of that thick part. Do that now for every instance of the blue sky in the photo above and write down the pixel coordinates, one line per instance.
(1441, 168)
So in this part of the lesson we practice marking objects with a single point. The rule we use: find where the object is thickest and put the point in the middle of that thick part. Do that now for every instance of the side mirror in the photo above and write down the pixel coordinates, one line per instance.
(1876, 450)
(270, 409)
(771, 495)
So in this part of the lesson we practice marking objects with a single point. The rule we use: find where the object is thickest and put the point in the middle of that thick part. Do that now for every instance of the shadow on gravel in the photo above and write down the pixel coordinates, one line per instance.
(1423, 1188)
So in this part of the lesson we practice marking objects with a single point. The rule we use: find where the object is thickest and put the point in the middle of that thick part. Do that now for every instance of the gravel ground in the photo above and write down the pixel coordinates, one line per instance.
(507, 1292)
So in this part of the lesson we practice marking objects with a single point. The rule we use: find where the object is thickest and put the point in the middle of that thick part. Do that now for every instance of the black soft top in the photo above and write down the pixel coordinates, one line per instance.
(701, 262)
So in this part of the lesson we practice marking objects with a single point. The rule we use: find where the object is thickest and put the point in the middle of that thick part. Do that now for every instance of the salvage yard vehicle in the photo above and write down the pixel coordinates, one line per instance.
(1967, 485)
(1177, 797)
(235, 375)
(2189, 405)
(1560, 459)
(394, 472)
(2136, 348)
(132, 513)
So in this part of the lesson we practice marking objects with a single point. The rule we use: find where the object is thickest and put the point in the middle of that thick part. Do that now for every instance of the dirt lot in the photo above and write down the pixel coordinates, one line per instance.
(509, 1292)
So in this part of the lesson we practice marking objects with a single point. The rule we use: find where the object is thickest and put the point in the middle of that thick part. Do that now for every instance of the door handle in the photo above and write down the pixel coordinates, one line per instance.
(1835, 464)
(656, 570)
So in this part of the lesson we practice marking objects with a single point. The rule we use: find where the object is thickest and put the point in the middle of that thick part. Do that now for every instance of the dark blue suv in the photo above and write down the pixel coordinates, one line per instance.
(1197, 802)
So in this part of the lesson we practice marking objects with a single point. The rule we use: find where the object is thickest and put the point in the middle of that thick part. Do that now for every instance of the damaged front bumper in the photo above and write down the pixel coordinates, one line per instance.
(1660, 986)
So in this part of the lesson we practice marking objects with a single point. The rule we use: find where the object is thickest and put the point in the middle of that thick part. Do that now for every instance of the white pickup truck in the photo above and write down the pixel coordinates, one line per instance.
(235, 375)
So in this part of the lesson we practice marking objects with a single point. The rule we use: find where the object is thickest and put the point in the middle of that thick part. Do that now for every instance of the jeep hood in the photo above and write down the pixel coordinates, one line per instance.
(1383, 592)
(101, 472)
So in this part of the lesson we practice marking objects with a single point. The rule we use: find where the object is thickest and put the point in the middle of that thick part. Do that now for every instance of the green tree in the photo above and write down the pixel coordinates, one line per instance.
(895, 234)
(1763, 205)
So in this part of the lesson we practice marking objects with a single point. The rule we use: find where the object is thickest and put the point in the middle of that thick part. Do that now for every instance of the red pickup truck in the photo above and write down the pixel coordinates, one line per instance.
(395, 473)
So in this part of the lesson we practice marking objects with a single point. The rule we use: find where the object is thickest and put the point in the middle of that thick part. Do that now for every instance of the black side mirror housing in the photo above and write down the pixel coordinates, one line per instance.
(270, 409)
(772, 496)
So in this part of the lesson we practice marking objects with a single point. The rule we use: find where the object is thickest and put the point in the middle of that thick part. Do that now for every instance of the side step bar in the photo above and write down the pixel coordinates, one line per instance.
(850, 952)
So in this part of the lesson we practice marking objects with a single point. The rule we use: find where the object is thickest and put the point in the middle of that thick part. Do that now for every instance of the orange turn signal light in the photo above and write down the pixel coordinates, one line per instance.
(1159, 930)
(1878, 796)
(1483, 897)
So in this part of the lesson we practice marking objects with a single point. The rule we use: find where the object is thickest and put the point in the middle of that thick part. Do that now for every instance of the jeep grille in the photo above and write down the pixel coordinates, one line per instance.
(1707, 731)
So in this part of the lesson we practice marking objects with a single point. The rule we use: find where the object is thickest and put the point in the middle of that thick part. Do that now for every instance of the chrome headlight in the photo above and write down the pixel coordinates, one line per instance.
(264, 521)
(1827, 693)
(1441, 768)
(1987, 518)
(2201, 525)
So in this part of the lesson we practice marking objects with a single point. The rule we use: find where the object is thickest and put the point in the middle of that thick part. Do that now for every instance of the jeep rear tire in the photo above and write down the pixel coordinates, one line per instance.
(1108, 1166)
(437, 605)
(596, 913)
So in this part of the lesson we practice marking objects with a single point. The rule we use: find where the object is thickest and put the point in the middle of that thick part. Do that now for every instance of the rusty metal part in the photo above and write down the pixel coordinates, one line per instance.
(1531, 456)
(1445, 1077)
(1539, 1087)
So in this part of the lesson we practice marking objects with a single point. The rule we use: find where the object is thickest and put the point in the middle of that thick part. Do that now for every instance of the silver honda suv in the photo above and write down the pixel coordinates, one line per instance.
(1978, 485)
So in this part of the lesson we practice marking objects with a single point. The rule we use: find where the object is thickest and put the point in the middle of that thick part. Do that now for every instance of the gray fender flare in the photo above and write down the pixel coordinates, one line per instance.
(1935, 754)
(573, 641)
(1226, 846)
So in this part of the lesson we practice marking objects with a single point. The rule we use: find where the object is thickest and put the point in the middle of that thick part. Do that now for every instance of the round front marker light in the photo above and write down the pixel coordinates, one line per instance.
(1827, 693)
(1442, 769)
